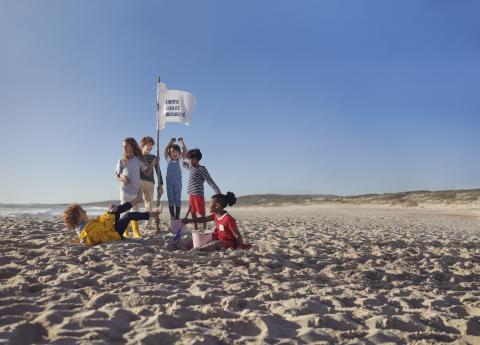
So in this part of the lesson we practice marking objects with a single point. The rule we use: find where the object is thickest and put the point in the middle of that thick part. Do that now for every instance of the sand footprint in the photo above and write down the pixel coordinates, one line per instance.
(27, 333)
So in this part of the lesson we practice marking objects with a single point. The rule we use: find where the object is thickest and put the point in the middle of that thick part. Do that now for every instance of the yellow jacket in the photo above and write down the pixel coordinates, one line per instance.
(99, 230)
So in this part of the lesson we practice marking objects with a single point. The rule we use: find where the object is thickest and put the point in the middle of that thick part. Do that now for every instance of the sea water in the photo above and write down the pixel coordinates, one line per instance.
(43, 210)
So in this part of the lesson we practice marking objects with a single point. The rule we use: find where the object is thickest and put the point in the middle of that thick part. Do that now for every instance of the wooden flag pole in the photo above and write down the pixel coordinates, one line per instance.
(157, 220)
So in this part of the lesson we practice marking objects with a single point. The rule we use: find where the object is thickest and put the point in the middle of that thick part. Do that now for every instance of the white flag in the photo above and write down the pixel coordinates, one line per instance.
(173, 106)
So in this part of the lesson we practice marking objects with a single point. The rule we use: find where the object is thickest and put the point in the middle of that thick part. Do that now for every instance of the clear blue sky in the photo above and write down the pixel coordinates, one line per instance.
(342, 97)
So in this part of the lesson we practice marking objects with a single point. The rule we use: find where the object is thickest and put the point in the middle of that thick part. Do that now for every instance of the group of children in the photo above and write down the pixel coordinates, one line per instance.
(134, 171)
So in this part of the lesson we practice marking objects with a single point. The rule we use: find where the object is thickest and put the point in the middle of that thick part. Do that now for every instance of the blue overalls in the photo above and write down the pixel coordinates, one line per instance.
(174, 183)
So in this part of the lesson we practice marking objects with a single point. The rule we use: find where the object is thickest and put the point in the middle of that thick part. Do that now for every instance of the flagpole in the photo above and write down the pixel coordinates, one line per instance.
(157, 220)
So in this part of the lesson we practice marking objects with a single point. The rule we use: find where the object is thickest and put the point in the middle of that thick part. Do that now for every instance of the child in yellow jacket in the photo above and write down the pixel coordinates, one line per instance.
(107, 227)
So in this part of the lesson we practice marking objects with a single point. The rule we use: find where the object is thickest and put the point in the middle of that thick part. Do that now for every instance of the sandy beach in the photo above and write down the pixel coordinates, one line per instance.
(322, 274)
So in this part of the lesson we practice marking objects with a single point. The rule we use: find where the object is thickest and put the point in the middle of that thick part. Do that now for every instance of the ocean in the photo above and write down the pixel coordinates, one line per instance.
(55, 210)
(43, 210)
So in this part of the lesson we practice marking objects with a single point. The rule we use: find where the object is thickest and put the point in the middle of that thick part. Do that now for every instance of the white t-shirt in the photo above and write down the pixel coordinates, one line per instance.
(132, 170)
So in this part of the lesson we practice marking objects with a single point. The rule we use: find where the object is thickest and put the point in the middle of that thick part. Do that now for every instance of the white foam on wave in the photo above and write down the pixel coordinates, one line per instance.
(47, 211)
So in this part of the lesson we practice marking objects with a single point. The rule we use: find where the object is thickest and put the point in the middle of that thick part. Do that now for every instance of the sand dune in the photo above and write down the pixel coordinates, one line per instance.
(449, 198)
(319, 274)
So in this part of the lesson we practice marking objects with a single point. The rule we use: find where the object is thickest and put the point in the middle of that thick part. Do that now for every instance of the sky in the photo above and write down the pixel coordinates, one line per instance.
(338, 97)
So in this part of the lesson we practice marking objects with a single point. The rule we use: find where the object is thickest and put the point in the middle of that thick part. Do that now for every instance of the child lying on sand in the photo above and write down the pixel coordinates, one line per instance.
(107, 227)
(226, 233)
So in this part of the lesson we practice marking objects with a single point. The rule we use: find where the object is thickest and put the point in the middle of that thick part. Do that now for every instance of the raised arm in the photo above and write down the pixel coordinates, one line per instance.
(184, 148)
(208, 178)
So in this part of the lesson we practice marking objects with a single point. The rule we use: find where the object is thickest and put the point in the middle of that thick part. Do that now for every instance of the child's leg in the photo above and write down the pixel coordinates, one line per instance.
(121, 209)
(178, 198)
(193, 208)
(194, 218)
(125, 206)
(124, 221)
(178, 208)
(171, 198)
(148, 191)
(200, 205)
(134, 222)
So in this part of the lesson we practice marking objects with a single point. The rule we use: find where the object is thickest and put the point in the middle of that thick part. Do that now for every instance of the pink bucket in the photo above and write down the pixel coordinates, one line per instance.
(176, 225)
(201, 238)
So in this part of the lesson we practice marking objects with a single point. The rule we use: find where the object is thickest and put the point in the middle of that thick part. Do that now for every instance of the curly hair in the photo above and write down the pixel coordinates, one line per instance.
(71, 215)
(146, 140)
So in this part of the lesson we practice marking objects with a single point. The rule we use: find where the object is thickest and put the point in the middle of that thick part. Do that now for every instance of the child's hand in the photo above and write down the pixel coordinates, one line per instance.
(124, 179)
(112, 208)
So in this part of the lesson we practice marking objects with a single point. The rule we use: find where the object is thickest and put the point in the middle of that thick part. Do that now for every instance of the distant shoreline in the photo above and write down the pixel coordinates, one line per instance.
(461, 197)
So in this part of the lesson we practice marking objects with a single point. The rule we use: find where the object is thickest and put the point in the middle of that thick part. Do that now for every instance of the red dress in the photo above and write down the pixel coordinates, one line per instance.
(224, 230)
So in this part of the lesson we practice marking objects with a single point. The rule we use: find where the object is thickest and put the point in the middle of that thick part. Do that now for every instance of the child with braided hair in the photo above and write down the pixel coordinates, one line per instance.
(226, 233)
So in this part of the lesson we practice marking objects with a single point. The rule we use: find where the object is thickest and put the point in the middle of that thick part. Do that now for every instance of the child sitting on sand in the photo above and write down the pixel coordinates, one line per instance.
(107, 227)
(226, 233)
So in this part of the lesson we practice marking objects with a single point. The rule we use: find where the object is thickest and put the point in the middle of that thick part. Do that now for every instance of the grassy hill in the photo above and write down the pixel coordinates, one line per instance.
(408, 199)
(468, 197)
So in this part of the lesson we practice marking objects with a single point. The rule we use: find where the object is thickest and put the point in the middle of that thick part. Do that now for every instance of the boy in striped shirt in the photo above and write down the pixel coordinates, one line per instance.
(198, 174)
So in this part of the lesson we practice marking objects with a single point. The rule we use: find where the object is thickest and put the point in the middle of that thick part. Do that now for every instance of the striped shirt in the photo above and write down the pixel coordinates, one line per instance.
(196, 177)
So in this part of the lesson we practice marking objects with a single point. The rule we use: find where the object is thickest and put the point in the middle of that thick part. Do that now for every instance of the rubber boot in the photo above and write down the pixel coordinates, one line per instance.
(172, 211)
(126, 233)
(177, 212)
(136, 229)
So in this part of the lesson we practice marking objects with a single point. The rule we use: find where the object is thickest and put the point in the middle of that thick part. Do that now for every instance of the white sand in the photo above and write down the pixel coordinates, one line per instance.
(324, 274)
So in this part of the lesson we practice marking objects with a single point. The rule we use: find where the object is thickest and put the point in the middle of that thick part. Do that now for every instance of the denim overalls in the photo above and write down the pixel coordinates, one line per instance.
(174, 183)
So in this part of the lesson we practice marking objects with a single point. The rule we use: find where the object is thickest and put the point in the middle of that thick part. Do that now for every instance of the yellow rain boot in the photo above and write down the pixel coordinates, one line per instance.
(136, 229)
(126, 233)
